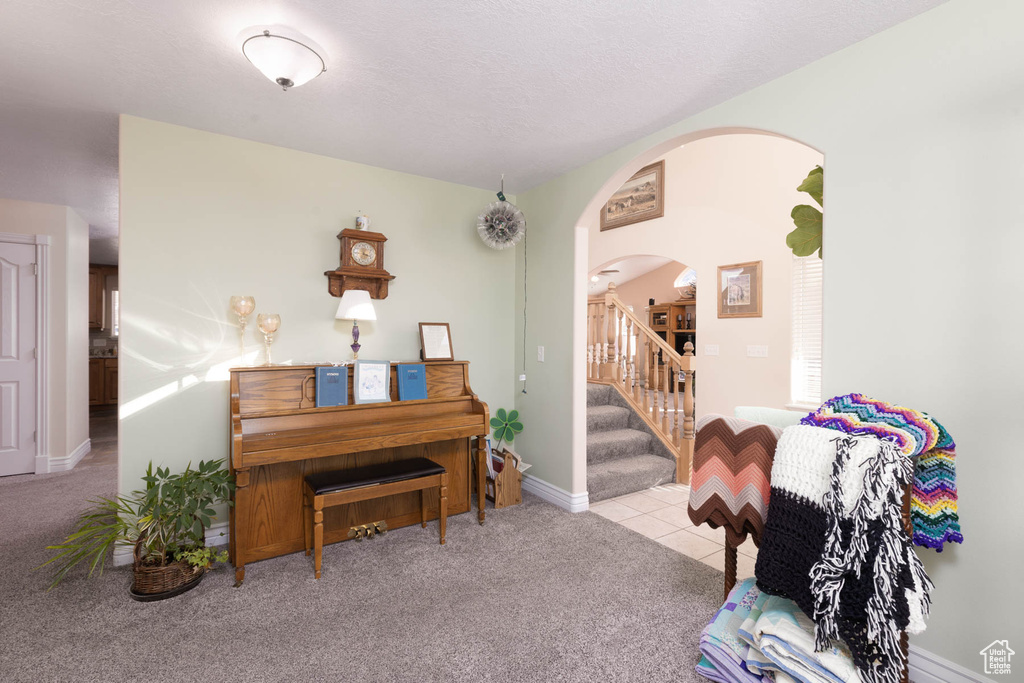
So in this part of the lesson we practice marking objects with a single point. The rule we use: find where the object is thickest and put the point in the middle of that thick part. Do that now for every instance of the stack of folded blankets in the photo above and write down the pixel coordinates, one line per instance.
(838, 579)
(760, 638)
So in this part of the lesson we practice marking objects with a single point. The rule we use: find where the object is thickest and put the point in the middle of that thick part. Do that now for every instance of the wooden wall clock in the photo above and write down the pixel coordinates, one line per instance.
(362, 265)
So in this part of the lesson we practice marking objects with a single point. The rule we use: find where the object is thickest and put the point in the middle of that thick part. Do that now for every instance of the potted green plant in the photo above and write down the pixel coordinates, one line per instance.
(165, 524)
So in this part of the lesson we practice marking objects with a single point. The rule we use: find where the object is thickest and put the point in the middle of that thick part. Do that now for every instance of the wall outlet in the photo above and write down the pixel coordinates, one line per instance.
(757, 351)
(711, 349)
(540, 354)
(522, 378)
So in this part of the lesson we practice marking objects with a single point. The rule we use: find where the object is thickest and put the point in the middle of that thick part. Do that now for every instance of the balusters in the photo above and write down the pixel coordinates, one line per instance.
(665, 425)
(688, 394)
(646, 405)
(675, 393)
(623, 350)
(620, 355)
(636, 367)
(590, 340)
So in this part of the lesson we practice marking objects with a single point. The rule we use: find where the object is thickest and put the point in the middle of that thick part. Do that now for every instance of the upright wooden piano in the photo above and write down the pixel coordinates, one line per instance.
(278, 436)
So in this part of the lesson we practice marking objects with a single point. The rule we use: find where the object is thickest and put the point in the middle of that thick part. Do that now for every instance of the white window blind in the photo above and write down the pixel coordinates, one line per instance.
(805, 365)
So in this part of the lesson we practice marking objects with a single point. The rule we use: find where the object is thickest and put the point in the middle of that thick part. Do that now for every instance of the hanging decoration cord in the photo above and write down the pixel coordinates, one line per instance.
(525, 251)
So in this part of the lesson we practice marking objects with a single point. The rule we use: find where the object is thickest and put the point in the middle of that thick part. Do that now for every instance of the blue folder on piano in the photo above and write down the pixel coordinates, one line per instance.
(412, 382)
(331, 386)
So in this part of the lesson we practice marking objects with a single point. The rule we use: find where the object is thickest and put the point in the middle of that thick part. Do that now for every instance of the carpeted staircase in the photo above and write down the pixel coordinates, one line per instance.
(623, 456)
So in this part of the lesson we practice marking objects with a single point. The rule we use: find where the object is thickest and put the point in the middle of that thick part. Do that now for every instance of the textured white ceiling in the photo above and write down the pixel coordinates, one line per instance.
(460, 91)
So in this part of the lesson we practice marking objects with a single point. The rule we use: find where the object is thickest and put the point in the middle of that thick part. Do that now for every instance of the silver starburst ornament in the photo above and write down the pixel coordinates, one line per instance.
(502, 225)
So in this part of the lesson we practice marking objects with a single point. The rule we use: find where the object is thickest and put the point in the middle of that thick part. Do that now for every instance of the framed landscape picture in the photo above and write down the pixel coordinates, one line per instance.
(640, 198)
(739, 290)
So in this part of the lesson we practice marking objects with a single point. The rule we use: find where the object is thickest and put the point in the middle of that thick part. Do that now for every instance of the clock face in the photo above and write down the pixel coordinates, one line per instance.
(364, 253)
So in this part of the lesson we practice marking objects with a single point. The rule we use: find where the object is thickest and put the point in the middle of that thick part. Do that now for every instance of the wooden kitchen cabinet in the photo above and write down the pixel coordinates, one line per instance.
(97, 281)
(110, 381)
(96, 381)
(102, 381)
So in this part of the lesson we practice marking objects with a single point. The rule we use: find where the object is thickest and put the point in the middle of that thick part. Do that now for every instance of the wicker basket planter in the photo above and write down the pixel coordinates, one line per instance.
(159, 582)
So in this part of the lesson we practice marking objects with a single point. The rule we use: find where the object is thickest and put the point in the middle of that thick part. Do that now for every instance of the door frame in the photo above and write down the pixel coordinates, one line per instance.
(42, 245)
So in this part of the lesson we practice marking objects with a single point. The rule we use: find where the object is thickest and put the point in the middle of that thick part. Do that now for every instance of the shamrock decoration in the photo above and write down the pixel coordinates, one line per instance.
(506, 426)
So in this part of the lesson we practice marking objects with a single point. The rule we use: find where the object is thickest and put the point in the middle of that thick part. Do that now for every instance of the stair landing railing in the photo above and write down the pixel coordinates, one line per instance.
(624, 352)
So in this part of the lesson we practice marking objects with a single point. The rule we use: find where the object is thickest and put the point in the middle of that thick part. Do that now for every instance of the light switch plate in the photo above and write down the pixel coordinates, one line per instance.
(711, 349)
(757, 351)
(522, 378)
(540, 354)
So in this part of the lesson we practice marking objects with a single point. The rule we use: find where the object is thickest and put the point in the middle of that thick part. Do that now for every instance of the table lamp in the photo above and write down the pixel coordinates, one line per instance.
(355, 305)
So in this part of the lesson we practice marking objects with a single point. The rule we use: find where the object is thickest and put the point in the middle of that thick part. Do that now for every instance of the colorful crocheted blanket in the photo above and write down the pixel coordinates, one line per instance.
(933, 507)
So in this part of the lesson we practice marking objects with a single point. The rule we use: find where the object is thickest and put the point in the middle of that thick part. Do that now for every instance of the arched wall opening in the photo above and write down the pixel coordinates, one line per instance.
(728, 197)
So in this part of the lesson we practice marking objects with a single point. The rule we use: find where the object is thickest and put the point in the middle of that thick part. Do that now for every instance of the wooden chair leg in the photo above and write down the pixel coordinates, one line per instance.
(318, 534)
(423, 509)
(444, 504)
(730, 569)
(307, 522)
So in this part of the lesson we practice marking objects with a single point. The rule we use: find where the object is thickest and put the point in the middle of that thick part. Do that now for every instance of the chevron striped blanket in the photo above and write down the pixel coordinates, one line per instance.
(933, 508)
(732, 466)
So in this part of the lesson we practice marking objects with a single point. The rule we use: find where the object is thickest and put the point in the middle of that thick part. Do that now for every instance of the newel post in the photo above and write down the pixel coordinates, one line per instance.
(684, 461)
(611, 362)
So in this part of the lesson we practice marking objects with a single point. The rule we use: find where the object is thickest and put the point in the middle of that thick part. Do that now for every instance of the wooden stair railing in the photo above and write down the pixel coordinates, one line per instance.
(624, 352)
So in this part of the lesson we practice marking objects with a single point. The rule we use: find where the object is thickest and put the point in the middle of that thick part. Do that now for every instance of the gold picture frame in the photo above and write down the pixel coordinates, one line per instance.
(640, 198)
(739, 290)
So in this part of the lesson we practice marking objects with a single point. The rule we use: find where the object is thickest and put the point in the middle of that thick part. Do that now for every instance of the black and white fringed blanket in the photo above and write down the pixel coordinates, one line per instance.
(834, 543)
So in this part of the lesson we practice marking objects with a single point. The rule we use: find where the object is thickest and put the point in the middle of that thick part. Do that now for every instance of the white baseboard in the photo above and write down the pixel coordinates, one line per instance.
(927, 667)
(573, 502)
(68, 461)
(215, 535)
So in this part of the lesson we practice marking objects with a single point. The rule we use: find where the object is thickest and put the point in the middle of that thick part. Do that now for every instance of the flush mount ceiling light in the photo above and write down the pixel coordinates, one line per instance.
(286, 61)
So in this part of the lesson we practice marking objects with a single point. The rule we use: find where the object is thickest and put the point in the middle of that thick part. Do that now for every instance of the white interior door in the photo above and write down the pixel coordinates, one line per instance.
(17, 358)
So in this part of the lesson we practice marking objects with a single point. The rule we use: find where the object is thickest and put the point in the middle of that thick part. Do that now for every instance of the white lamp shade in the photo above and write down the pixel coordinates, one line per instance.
(355, 305)
(285, 61)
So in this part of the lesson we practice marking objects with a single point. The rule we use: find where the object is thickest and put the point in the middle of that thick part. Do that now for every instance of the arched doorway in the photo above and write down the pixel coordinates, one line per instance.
(641, 317)
(728, 211)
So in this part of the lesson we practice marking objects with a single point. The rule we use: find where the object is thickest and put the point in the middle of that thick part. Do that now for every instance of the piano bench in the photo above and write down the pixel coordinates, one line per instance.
(327, 489)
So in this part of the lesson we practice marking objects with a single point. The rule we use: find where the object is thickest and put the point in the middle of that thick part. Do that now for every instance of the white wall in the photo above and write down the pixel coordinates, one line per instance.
(728, 200)
(68, 319)
(923, 130)
(656, 284)
(206, 216)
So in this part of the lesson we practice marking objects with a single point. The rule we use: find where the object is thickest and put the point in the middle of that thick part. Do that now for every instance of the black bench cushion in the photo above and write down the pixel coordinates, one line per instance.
(384, 473)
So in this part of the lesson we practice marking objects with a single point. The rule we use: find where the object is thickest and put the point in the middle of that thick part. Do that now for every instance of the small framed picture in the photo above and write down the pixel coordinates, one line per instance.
(640, 198)
(372, 381)
(436, 341)
(739, 290)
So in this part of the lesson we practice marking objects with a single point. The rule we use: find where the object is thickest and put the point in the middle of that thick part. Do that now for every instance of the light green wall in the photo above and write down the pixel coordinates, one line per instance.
(922, 127)
(68, 316)
(206, 216)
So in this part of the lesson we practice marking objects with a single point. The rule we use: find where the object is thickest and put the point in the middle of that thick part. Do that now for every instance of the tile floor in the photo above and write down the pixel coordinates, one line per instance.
(660, 513)
(103, 434)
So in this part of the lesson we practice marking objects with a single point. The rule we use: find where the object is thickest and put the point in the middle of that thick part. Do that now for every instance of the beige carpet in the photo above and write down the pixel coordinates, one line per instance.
(537, 594)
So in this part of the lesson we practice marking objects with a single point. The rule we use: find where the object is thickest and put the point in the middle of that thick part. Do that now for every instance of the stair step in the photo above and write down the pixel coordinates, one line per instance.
(616, 443)
(614, 478)
(598, 394)
(605, 418)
